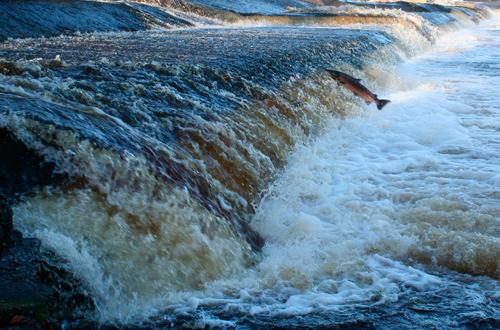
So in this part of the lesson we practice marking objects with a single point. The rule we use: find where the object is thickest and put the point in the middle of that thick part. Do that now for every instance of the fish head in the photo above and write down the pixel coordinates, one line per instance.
(334, 73)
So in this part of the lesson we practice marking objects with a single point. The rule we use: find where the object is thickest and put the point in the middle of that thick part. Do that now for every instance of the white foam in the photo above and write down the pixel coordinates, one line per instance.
(356, 208)
(349, 222)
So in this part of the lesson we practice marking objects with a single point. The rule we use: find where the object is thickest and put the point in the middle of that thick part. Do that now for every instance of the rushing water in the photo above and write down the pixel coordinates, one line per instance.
(167, 139)
(358, 212)
(368, 223)
(377, 220)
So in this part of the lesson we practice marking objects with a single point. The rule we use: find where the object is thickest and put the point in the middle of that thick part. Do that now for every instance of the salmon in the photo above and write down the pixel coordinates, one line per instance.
(355, 86)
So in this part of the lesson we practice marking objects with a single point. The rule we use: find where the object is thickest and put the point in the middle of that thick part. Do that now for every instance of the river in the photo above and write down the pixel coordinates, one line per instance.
(216, 176)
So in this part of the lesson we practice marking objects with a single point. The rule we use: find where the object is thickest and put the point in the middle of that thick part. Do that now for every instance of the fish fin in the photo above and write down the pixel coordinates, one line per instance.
(367, 102)
(382, 103)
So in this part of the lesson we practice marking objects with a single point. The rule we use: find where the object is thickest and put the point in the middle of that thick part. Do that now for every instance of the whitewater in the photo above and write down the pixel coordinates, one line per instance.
(384, 206)
(212, 174)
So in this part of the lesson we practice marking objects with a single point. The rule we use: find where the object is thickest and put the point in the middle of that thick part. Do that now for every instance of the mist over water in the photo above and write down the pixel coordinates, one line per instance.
(371, 217)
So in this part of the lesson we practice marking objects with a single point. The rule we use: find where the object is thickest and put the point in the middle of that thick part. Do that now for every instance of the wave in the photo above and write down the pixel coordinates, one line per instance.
(150, 155)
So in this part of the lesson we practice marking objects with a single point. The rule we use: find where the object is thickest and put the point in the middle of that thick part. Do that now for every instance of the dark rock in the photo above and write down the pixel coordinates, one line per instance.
(21, 320)
(5, 225)
(36, 291)
(21, 169)
(21, 293)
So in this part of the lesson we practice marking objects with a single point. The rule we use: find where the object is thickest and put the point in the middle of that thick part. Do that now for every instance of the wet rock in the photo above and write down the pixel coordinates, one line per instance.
(22, 171)
(35, 290)
(5, 225)
(21, 320)
(21, 292)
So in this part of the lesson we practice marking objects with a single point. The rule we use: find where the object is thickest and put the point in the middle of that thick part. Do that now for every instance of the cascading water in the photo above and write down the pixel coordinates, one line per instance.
(162, 146)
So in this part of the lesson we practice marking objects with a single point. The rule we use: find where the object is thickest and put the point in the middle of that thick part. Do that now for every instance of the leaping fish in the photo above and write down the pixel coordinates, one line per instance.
(354, 85)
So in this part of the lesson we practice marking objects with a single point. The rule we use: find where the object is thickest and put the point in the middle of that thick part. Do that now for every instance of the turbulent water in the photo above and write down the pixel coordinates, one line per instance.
(376, 221)
(361, 210)
(172, 154)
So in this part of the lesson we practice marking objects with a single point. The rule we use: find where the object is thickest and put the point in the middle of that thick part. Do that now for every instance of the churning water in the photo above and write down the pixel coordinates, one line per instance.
(385, 205)
(377, 216)
(387, 215)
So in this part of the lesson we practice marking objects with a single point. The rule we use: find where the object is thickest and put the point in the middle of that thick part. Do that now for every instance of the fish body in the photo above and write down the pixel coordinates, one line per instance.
(355, 86)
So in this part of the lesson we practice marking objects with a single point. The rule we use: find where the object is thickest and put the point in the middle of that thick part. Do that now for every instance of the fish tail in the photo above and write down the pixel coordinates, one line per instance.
(382, 103)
